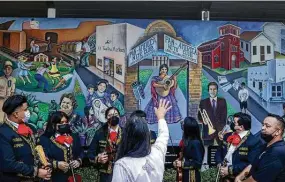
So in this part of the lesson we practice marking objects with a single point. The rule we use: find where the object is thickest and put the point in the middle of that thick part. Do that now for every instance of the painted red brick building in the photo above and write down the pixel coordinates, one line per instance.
(223, 52)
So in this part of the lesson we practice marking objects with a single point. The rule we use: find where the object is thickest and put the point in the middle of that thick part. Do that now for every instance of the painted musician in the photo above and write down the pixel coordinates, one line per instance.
(242, 148)
(17, 145)
(61, 147)
(269, 164)
(103, 148)
(172, 116)
(216, 109)
(192, 153)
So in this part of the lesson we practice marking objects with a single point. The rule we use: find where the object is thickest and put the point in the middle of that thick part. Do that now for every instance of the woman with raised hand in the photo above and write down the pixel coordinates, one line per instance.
(137, 159)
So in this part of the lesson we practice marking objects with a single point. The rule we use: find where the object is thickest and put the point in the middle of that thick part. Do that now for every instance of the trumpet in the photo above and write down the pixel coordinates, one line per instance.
(207, 121)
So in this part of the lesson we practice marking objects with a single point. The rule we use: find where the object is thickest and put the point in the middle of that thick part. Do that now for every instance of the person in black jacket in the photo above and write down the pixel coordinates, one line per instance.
(63, 148)
(242, 148)
(17, 144)
(103, 148)
(192, 151)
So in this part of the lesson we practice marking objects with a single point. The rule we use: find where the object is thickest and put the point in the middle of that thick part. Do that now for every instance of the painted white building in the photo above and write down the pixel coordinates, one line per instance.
(113, 44)
(275, 31)
(268, 81)
(257, 47)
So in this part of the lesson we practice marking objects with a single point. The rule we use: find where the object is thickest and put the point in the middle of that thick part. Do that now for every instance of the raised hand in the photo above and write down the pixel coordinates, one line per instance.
(162, 109)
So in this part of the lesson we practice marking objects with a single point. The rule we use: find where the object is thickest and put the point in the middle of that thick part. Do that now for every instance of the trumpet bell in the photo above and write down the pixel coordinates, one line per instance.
(211, 131)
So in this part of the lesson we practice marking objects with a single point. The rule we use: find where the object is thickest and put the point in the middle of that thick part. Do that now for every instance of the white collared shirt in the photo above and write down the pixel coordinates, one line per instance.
(149, 168)
(112, 130)
(16, 125)
(232, 148)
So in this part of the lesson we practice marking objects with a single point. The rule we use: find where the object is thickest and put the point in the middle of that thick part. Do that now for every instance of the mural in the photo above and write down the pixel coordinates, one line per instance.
(83, 66)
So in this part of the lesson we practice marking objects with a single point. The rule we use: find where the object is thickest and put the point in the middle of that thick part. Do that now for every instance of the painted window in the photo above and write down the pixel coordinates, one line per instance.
(216, 58)
(241, 44)
(246, 47)
(222, 46)
(253, 84)
(253, 50)
(276, 91)
(268, 50)
(283, 41)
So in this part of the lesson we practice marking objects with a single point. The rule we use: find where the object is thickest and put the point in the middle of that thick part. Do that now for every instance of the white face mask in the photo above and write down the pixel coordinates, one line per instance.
(27, 116)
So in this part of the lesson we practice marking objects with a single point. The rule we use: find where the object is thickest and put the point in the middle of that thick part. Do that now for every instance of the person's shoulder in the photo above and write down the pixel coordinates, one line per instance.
(253, 140)
(6, 131)
(204, 100)
(221, 99)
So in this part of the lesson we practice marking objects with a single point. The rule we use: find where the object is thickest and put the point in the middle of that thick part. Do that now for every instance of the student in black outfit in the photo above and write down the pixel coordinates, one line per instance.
(62, 148)
(193, 151)
(17, 144)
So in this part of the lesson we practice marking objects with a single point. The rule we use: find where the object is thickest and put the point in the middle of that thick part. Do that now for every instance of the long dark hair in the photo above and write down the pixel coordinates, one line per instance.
(53, 119)
(135, 139)
(191, 131)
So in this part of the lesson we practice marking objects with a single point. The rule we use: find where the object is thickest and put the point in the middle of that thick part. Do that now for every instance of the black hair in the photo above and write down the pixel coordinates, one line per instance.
(115, 93)
(279, 119)
(163, 66)
(54, 119)
(244, 120)
(213, 83)
(102, 81)
(90, 86)
(138, 113)
(135, 139)
(243, 84)
(12, 103)
(109, 109)
(191, 131)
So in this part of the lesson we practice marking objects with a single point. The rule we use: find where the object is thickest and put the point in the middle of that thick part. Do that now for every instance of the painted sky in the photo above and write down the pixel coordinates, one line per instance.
(194, 32)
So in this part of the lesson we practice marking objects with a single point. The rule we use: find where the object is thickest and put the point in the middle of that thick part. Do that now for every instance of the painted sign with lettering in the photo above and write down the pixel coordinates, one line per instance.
(180, 49)
(142, 51)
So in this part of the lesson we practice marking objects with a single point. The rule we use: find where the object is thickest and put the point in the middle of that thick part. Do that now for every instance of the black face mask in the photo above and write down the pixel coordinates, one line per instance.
(267, 137)
(64, 129)
(114, 120)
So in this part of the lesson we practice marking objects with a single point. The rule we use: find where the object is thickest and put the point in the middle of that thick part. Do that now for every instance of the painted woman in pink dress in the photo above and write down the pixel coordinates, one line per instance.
(160, 90)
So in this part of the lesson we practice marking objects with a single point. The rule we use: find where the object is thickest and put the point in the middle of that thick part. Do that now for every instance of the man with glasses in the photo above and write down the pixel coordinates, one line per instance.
(269, 165)
(103, 148)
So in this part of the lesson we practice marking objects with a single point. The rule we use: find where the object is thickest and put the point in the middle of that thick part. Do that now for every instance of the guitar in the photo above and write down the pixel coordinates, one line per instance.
(168, 80)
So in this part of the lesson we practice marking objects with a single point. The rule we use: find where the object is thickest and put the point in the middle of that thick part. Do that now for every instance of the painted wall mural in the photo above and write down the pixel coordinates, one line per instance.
(83, 66)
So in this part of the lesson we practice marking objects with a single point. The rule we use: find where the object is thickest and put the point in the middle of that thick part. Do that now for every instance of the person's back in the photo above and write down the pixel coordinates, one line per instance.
(149, 168)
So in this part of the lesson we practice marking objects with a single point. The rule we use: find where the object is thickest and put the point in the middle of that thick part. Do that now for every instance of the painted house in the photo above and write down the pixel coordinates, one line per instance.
(275, 31)
(268, 81)
(113, 43)
(256, 46)
(223, 52)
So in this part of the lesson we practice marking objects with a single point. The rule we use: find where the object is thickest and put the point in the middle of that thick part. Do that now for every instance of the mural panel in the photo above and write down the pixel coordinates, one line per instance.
(83, 66)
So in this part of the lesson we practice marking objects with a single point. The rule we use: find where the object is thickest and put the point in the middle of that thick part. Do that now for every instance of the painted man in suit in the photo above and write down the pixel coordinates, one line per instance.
(216, 109)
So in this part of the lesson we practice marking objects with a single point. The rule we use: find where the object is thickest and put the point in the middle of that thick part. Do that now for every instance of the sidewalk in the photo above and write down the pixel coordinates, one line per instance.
(271, 107)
